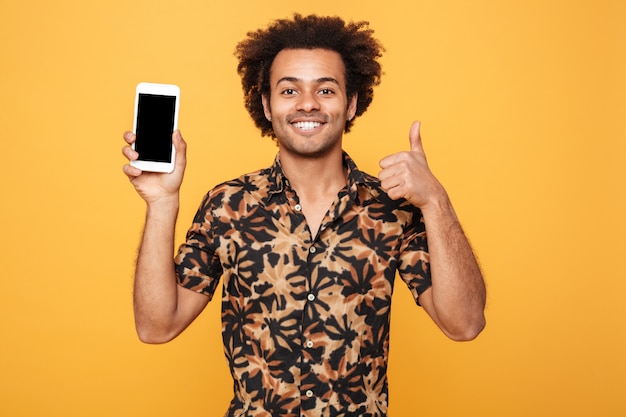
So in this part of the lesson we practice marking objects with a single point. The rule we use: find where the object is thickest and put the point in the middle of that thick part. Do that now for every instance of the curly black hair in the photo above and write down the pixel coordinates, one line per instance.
(354, 41)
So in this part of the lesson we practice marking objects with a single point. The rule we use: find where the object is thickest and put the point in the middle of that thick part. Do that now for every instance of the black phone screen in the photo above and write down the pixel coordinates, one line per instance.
(155, 125)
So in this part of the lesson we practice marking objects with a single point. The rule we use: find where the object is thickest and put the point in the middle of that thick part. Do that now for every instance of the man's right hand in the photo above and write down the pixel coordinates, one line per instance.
(153, 186)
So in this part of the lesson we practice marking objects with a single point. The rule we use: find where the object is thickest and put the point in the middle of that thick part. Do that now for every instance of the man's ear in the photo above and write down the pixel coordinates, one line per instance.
(266, 107)
(352, 106)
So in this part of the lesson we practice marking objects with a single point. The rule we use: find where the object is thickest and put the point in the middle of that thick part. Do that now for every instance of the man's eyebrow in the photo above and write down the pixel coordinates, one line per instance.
(317, 81)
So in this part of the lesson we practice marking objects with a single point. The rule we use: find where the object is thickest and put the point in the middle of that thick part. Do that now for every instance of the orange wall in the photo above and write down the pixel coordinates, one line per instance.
(523, 107)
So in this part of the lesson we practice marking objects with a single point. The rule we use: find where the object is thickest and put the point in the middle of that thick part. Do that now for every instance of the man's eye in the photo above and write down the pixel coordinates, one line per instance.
(326, 91)
(289, 91)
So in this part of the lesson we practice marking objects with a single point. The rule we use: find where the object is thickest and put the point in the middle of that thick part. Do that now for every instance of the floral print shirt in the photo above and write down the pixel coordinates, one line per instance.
(305, 319)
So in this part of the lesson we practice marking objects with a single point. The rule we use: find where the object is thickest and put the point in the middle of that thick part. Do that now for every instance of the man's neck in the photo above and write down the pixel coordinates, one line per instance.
(311, 176)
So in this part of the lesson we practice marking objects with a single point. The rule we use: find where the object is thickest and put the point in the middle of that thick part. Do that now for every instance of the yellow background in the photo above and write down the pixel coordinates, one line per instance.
(522, 105)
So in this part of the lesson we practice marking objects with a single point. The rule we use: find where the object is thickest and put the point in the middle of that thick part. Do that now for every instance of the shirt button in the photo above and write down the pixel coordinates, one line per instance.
(298, 207)
(309, 344)
(311, 297)
(312, 249)
(309, 393)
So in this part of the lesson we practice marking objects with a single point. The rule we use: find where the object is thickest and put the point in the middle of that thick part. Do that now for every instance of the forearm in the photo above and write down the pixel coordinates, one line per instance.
(155, 288)
(458, 290)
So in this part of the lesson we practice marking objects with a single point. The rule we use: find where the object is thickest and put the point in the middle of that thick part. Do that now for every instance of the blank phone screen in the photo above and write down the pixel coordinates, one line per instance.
(155, 125)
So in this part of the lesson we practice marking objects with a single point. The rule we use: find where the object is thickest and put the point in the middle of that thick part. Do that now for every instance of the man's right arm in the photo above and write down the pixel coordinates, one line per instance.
(162, 308)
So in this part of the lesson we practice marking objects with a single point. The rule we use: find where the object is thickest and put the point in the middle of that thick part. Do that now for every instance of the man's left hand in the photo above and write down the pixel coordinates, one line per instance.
(407, 175)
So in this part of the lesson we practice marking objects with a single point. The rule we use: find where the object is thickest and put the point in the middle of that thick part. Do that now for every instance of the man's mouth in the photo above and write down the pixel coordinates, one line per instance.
(306, 125)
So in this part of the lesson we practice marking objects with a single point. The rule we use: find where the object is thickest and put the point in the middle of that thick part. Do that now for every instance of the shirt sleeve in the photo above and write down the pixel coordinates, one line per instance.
(414, 264)
(197, 265)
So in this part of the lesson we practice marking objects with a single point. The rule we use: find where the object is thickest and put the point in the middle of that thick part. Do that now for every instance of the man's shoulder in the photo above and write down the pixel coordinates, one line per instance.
(256, 182)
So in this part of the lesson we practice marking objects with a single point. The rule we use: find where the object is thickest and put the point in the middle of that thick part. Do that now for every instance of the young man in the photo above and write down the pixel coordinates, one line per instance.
(308, 248)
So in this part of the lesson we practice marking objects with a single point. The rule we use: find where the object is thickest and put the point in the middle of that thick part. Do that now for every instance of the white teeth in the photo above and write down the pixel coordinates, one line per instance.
(307, 125)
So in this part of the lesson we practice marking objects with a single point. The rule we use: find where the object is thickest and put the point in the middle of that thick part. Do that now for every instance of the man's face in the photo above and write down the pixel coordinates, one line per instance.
(308, 105)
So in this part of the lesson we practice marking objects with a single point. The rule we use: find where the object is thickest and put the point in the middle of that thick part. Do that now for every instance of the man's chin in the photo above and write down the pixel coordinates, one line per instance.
(307, 150)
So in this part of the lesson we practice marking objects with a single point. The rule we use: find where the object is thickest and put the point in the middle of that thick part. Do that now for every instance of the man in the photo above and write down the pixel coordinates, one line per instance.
(308, 248)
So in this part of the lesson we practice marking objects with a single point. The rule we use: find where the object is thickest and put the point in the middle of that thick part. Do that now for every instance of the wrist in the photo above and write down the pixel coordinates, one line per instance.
(166, 204)
(437, 206)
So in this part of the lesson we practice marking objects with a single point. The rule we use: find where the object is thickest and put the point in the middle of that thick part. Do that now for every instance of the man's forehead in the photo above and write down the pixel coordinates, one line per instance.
(314, 65)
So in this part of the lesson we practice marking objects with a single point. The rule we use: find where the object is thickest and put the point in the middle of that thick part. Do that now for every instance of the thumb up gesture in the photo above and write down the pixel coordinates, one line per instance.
(406, 174)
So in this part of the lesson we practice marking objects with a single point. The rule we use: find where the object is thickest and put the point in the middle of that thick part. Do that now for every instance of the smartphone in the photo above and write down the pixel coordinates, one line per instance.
(156, 118)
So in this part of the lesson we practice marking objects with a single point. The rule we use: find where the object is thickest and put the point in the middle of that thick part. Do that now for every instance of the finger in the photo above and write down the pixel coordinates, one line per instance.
(390, 171)
(131, 171)
(386, 162)
(129, 137)
(129, 153)
(389, 183)
(415, 138)
(392, 160)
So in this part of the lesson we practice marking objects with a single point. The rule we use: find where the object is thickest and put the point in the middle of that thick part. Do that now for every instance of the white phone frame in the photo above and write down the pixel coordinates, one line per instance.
(164, 90)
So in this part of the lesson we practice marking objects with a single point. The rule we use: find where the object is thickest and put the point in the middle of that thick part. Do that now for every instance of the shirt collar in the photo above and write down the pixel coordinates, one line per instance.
(278, 181)
(276, 178)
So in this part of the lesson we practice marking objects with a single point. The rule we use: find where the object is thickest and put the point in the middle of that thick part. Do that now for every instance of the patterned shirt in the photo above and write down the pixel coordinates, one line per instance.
(305, 319)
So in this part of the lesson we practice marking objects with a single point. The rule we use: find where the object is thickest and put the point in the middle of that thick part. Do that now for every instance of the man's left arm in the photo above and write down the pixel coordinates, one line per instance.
(456, 300)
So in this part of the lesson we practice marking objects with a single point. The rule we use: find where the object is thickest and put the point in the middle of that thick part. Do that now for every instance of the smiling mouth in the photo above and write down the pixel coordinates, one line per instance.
(306, 125)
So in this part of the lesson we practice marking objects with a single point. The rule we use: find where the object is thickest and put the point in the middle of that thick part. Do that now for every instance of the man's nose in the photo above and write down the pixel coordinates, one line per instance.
(308, 101)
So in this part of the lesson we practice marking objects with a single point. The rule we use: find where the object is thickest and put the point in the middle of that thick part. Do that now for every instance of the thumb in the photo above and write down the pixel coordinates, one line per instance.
(179, 142)
(415, 139)
(181, 147)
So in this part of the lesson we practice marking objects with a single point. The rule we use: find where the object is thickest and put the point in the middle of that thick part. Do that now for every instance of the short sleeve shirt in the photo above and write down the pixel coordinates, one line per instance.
(305, 319)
